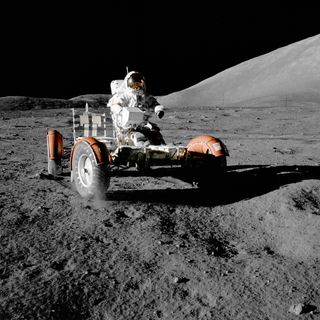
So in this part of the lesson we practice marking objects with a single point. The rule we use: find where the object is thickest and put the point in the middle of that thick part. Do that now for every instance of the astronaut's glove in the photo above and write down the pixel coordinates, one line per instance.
(160, 114)
(159, 111)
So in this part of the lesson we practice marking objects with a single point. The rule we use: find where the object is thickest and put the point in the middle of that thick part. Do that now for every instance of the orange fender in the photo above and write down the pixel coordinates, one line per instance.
(207, 145)
(99, 150)
(55, 145)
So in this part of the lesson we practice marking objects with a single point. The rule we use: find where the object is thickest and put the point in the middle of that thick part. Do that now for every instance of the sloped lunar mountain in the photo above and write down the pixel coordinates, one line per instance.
(291, 72)
(158, 248)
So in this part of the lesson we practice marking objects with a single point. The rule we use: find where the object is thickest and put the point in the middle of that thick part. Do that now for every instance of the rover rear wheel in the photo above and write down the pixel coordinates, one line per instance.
(206, 171)
(91, 180)
(212, 172)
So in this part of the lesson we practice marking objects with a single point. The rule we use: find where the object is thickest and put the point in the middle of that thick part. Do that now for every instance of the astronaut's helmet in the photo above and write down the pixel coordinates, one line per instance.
(136, 81)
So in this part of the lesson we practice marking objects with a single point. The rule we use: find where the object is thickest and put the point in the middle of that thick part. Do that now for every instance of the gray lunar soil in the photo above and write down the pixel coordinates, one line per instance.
(158, 248)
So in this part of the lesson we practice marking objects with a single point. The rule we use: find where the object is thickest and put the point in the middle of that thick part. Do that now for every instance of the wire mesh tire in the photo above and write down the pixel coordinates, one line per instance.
(211, 173)
(54, 167)
(91, 180)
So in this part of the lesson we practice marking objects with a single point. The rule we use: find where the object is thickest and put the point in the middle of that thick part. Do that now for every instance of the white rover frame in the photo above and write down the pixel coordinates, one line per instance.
(122, 151)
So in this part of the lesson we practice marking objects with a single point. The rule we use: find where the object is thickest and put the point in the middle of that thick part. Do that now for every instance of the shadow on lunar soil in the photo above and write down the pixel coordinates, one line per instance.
(239, 183)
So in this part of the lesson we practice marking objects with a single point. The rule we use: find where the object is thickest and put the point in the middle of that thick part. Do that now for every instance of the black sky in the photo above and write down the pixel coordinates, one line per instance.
(59, 50)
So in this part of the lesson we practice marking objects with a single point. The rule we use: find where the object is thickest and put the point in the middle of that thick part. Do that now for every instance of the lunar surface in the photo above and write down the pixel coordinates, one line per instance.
(248, 247)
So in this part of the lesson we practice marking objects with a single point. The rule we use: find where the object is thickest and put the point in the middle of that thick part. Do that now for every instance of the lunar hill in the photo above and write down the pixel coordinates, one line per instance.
(287, 76)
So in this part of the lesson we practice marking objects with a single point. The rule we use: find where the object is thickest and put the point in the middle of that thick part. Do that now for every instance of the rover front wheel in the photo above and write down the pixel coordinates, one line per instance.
(91, 179)
(54, 167)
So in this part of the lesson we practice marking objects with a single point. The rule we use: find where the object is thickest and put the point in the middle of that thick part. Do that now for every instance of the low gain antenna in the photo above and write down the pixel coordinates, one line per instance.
(127, 68)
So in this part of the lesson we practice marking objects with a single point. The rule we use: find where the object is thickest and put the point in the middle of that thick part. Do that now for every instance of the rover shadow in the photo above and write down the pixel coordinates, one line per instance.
(238, 183)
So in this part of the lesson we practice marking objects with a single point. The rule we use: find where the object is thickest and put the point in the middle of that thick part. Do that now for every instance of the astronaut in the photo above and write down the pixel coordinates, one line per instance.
(132, 93)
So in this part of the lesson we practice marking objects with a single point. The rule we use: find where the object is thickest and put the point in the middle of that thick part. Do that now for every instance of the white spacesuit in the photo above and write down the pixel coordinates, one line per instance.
(132, 94)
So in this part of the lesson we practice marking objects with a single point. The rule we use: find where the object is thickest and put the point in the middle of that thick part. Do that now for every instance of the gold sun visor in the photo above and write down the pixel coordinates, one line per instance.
(136, 81)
